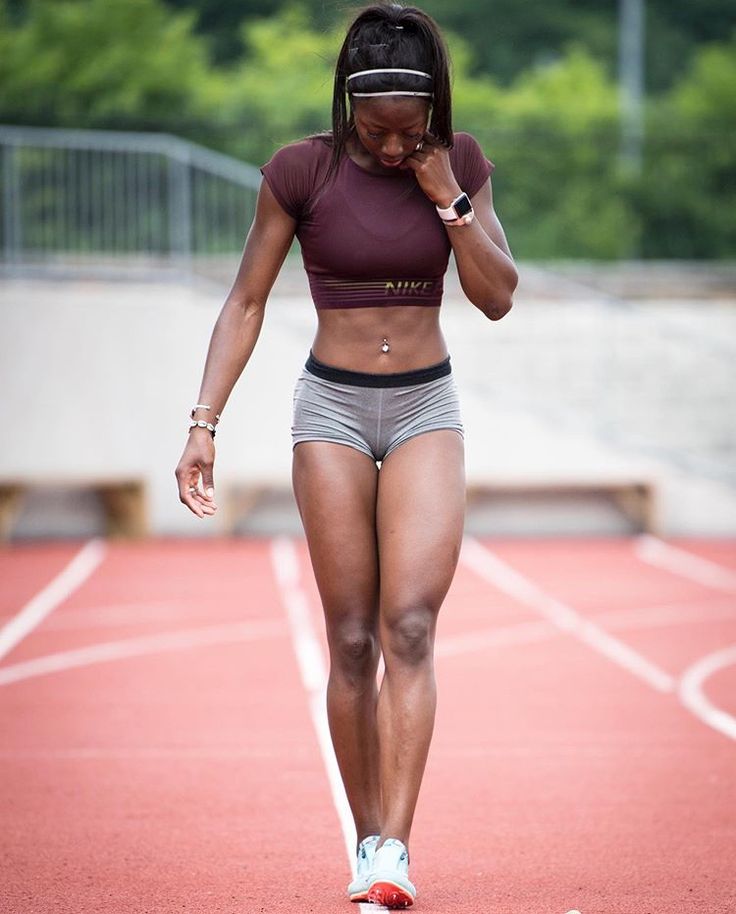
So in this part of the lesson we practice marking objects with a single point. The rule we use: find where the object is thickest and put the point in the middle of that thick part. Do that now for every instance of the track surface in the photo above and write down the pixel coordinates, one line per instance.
(158, 750)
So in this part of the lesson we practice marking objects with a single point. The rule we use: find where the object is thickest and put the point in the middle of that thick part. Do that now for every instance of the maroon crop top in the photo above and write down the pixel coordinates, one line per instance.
(369, 240)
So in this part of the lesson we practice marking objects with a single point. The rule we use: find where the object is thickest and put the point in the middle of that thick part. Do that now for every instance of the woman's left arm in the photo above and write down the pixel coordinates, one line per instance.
(487, 272)
(485, 266)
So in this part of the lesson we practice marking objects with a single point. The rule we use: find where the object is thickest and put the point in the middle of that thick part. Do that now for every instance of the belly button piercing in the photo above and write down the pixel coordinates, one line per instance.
(385, 347)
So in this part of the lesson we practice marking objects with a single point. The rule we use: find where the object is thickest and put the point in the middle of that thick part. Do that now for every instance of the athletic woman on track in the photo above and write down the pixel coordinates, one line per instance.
(377, 204)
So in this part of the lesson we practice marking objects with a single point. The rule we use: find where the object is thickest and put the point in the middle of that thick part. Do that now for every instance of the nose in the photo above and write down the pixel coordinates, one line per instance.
(392, 147)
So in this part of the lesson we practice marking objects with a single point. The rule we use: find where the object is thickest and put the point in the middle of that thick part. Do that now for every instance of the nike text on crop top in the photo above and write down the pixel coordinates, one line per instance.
(367, 239)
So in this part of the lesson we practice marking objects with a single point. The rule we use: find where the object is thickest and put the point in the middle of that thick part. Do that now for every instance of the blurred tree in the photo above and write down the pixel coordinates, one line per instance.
(507, 36)
(282, 89)
(221, 20)
(113, 63)
(676, 30)
(552, 130)
(552, 134)
(687, 197)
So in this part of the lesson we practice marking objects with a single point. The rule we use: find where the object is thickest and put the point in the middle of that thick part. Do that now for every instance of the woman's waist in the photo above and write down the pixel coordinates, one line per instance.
(315, 369)
(381, 342)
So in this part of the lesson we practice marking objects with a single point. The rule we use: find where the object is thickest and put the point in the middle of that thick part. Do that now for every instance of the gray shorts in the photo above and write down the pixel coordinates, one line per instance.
(373, 413)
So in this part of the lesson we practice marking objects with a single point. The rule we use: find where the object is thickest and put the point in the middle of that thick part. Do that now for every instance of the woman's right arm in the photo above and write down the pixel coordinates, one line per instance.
(233, 339)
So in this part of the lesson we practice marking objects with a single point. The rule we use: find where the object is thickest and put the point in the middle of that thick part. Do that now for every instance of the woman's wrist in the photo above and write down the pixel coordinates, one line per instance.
(196, 429)
(202, 416)
(447, 196)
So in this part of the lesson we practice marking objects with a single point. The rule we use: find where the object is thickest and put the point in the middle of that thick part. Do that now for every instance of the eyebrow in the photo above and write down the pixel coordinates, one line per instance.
(417, 126)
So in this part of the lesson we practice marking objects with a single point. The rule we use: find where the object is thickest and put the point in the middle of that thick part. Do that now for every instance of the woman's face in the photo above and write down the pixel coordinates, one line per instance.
(391, 128)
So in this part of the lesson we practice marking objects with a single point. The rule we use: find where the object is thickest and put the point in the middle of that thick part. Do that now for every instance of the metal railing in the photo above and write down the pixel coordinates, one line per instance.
(109, 202)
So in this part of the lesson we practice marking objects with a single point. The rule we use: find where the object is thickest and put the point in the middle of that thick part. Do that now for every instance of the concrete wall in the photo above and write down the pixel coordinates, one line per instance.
(576, 382)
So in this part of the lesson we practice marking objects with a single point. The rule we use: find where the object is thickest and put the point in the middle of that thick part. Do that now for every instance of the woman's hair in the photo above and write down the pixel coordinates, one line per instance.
(388, 35)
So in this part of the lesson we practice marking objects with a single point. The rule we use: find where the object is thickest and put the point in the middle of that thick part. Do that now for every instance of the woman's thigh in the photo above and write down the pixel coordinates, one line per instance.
(420, 514)
(335, 489)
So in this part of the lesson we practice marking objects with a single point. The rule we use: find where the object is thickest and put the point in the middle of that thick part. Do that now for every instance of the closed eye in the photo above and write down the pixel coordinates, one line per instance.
(411, 136)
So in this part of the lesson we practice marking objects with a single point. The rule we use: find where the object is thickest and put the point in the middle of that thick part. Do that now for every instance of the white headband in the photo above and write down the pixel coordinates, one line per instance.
(391, 91)
(389, 70)
(396, 92)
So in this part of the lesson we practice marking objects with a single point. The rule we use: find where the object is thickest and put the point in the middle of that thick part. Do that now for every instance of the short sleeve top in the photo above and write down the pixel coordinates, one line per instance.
(368, 239)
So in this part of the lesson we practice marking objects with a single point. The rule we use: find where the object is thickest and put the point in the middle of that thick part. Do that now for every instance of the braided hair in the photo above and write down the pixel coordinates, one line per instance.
(390, 36)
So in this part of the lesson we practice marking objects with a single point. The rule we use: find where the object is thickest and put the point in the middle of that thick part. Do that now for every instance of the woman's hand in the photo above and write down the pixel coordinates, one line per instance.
(430, 163)
(198, 459)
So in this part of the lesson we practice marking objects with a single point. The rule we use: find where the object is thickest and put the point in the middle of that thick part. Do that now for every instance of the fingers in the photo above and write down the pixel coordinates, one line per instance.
(193, 496)
(424, 148)
(208, 482)
(205, 503)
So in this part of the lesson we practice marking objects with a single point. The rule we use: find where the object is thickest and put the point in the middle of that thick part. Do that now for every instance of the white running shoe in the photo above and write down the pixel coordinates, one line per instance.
(358, 888)
(389, 883)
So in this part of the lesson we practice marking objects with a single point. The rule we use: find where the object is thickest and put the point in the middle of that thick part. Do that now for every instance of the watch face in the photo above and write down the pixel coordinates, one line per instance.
(463, 206)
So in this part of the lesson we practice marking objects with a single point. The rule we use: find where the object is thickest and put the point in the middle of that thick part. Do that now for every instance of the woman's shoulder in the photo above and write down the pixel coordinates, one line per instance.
(465, 143)
(470, 163)
(296, 169)
(307, 150)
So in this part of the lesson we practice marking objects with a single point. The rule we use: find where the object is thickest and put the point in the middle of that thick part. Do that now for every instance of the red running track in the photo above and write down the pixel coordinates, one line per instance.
(159, 751)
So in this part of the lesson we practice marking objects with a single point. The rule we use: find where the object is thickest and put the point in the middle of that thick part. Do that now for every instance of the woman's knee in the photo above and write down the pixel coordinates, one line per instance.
(354, 648)
(408, 635)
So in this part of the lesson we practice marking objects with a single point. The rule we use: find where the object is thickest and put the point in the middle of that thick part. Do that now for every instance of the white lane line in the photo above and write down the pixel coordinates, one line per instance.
(645, 617)
(137, 647)
(492, 569)
(482, 639)
(656, 552)
(692, 695)
(313, 670)
(669, 614)
(54, 593)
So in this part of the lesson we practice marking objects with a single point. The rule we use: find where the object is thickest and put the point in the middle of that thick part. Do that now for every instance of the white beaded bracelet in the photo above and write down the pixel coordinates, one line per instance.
(202, 424)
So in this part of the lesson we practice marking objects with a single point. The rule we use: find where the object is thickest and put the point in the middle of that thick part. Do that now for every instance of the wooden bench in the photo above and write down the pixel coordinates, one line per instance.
(123, 502)
(635, 498)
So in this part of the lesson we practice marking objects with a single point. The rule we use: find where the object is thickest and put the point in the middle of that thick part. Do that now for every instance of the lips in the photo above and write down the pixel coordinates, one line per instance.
(391, 163)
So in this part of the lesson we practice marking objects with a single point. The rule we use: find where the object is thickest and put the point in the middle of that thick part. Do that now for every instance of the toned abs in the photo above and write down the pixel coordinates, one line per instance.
(352, 338)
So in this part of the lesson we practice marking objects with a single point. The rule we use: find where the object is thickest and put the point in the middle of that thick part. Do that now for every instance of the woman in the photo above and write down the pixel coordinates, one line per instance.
(377, 206)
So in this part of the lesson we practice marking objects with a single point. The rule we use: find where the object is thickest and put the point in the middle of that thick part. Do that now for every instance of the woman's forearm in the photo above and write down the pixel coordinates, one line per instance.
(487, 275)
(233, 339)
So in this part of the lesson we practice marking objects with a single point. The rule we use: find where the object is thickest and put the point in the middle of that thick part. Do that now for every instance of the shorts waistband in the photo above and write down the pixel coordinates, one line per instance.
(371, 379)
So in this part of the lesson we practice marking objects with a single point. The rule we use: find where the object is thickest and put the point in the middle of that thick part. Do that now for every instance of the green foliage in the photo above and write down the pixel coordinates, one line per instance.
(687, 196)
(552, 129)
(551, 135)
(101, 63)
(505, 37)
(222, 20)
(282, 90)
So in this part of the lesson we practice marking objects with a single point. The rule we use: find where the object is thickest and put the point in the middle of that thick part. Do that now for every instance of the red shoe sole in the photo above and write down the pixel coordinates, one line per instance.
(389, 895)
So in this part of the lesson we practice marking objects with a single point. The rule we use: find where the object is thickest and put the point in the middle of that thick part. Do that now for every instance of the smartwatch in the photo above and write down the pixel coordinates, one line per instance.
(459, 212)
